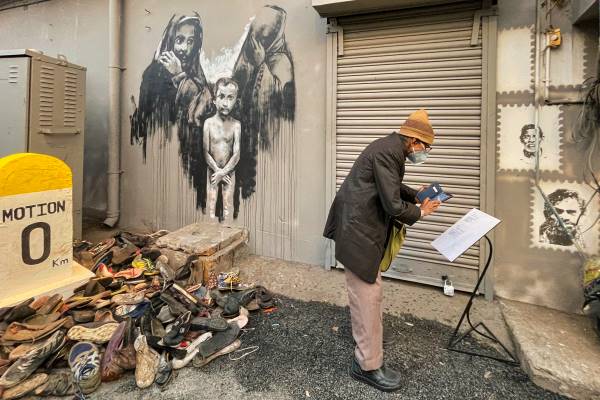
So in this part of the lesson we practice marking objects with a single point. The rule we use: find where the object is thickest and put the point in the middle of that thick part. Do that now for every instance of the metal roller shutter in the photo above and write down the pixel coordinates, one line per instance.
(391, 65)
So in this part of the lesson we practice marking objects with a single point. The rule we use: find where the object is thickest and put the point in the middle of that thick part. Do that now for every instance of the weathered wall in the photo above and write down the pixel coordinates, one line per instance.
(285, 212)
(533, 265)
(79, 30)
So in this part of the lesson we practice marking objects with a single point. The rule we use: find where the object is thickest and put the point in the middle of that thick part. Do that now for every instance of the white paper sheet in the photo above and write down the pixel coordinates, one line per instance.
(464, 233)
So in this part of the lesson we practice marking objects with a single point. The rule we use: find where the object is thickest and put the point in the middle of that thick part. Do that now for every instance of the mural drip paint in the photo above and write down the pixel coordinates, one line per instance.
(171, 84)
(572, 202)
(265, 74)
(234, 131)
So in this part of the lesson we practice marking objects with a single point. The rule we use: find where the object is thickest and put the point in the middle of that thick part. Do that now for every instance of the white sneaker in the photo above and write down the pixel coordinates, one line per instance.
(192, 350)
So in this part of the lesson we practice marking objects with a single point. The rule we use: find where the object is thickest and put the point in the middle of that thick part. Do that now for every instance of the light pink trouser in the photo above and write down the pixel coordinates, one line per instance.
(366, 314)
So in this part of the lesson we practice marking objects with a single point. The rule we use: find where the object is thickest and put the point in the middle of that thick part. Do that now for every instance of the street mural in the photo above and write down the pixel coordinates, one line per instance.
(517, 138)
(234, 123)
(571, 200)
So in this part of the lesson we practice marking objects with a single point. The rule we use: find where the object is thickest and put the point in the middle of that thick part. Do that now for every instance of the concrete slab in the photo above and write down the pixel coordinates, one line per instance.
(559, 351)
(202, 239)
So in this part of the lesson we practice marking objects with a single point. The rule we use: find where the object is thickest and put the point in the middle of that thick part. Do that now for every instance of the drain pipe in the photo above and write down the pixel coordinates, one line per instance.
(114, 112)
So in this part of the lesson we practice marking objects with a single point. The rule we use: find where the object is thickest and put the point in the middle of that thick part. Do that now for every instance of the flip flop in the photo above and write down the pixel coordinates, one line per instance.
(130, 273)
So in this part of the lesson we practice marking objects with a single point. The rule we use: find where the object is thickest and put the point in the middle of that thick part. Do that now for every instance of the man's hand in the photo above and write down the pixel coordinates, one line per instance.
(227, 179)
(217, 177)
(171, 63)
(417, 201)
(429, 207)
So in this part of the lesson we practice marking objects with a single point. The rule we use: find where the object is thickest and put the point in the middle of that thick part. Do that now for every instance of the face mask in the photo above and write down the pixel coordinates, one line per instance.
(417, 157)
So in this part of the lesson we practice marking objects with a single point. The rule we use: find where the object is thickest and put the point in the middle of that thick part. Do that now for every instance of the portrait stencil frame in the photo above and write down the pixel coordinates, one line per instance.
(567, 196)
(516, 124)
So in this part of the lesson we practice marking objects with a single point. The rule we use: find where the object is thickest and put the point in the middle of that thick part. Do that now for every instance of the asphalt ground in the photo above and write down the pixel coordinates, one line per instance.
(305, 349)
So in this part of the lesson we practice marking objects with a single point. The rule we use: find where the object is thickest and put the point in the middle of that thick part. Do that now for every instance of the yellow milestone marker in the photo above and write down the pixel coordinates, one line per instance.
(36, 254)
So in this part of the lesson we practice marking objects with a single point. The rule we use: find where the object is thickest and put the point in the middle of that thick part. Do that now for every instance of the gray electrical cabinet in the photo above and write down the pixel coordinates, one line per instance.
(42, 108)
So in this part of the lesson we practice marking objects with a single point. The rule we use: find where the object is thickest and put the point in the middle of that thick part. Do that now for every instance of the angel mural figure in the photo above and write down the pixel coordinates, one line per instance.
(264, 72)
(173, 83)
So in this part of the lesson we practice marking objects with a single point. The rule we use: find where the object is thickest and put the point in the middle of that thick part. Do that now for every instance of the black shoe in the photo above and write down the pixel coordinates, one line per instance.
(231, 308)
(215, 324)
(165, 370)
(178, 330)
(175, 306)
(384, 379)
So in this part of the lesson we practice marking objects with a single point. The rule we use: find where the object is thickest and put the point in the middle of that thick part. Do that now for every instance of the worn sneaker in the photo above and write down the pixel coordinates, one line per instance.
(133, 311)
(25, 387)
(147, 361)
(129, 298)
(30, 361)
(84, 360)
(228, 280)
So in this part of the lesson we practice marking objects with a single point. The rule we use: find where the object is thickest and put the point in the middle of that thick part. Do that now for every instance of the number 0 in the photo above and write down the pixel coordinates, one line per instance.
(26, 243)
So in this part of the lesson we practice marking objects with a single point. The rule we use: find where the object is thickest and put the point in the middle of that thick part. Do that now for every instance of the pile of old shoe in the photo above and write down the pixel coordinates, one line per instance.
(137, 314)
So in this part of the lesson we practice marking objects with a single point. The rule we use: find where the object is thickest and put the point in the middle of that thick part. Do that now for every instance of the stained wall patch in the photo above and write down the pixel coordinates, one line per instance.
(515, 59)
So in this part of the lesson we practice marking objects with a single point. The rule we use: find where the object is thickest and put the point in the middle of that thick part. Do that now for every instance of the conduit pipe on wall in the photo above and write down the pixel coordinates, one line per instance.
(114, 112)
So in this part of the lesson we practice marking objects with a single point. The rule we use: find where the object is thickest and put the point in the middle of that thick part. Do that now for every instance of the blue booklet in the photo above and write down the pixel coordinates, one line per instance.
(434, 192)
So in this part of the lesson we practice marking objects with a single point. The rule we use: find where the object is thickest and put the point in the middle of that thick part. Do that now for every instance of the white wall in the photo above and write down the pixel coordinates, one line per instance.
(79, 30)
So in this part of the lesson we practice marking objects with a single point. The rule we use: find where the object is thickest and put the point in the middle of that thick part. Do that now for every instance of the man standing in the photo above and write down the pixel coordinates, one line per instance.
(370, 201)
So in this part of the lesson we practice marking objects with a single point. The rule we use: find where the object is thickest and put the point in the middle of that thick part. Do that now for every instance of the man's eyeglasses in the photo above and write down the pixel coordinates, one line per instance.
(425, 145)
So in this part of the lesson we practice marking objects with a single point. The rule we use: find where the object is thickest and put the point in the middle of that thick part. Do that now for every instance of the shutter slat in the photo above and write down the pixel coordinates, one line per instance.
(431, 73)
(421, 57)
(417, 66)
(407, 84)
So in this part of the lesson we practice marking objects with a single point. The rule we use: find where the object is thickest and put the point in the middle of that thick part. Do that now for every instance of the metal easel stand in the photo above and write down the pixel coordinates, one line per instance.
(487, 333)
